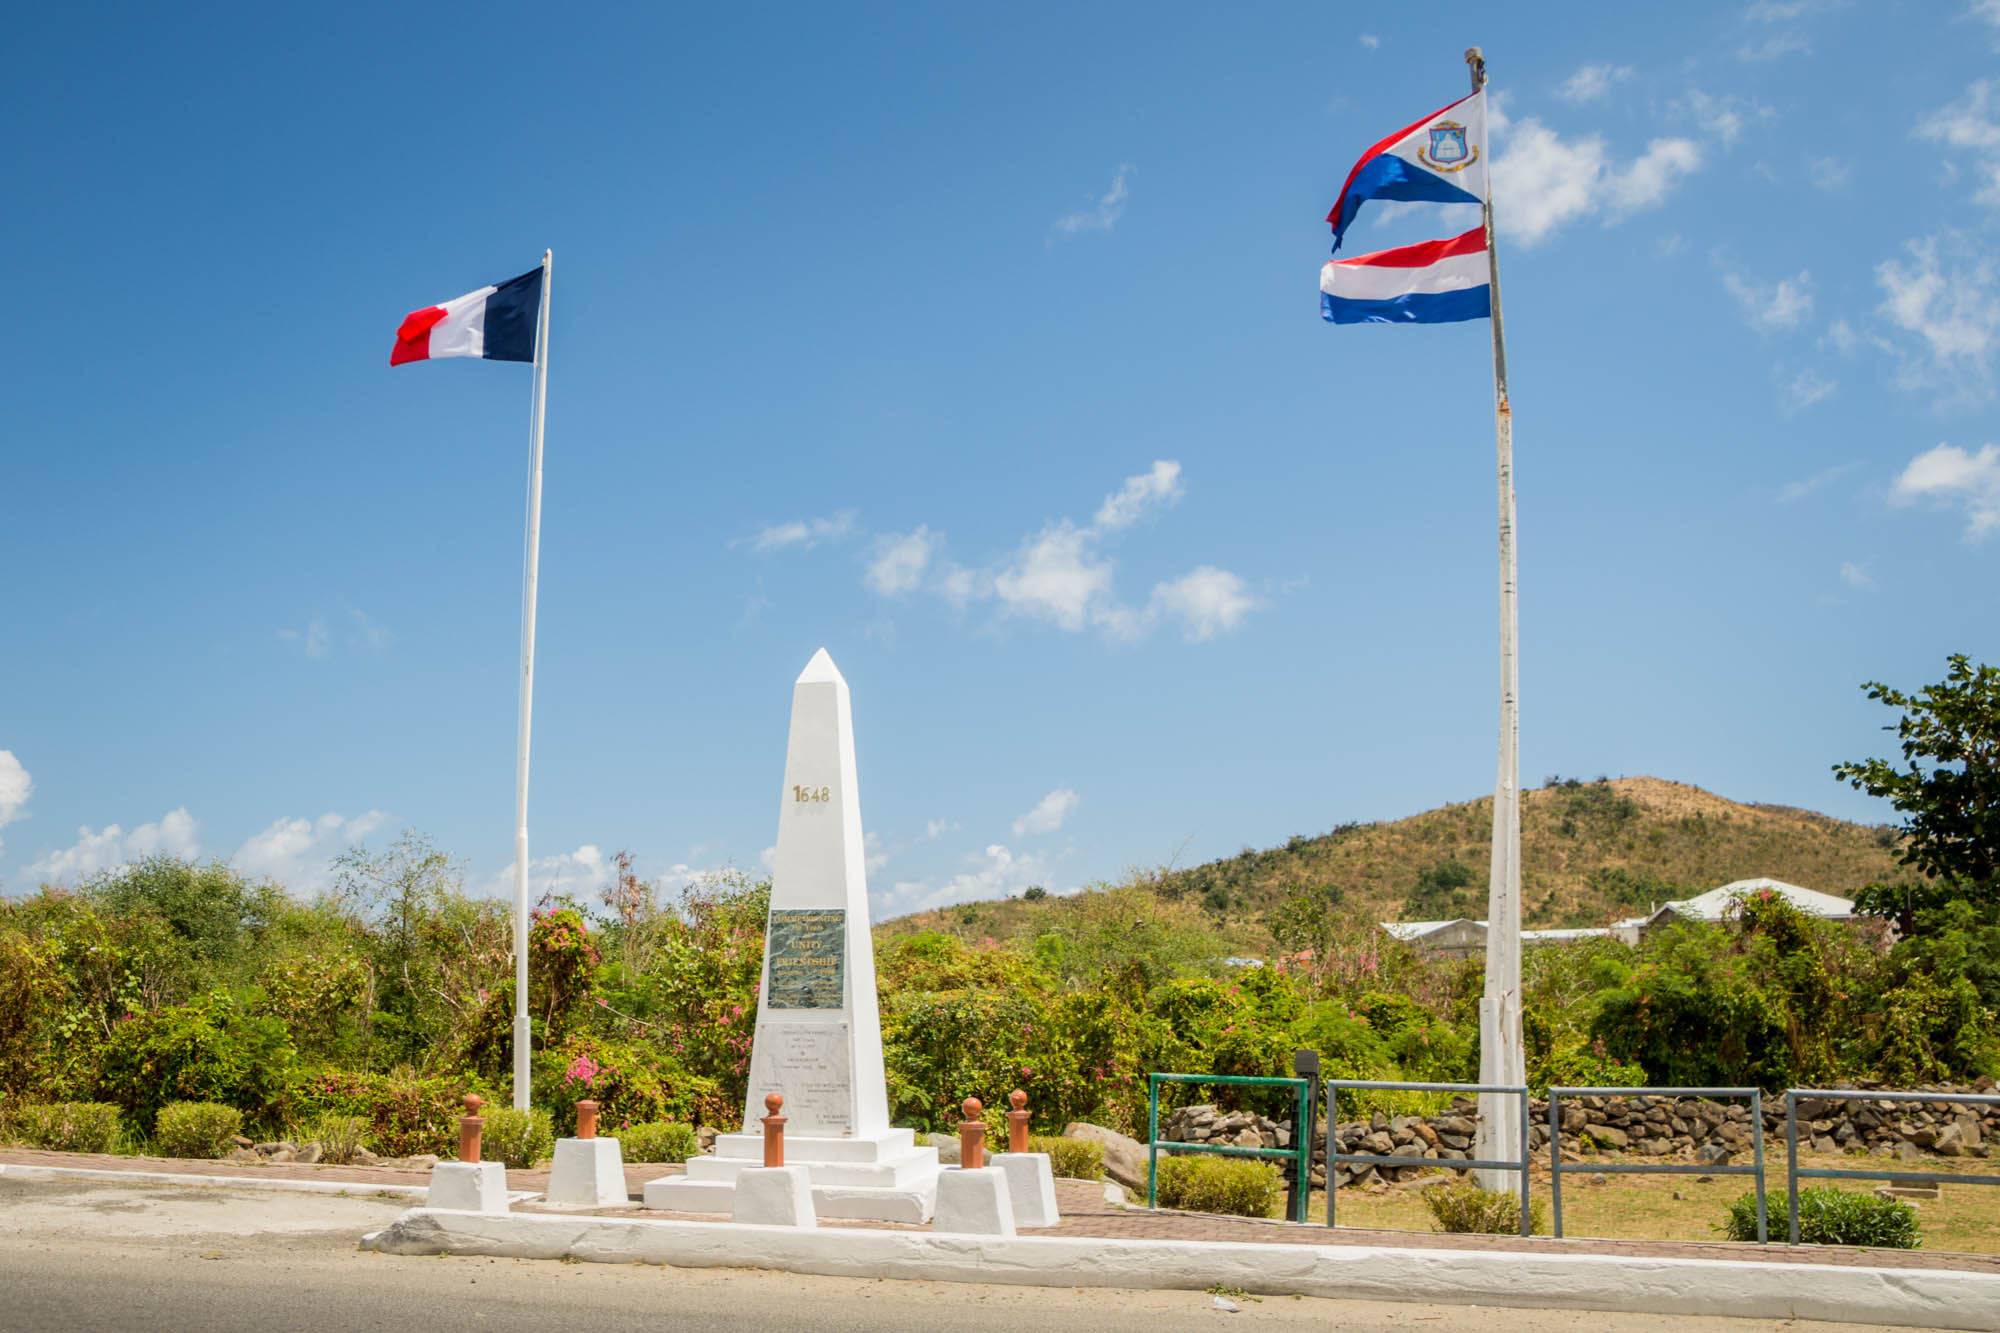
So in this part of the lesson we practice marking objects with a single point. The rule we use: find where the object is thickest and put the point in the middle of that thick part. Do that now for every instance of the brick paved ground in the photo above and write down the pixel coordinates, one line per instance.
(1085, 1213)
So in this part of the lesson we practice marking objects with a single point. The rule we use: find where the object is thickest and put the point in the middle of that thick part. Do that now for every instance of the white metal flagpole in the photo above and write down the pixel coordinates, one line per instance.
(530, 565)
(1502, 1059)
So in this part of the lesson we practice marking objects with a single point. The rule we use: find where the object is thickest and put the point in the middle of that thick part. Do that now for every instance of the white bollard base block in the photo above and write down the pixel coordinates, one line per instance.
(472, 1187)
(1031, 1187)
(973, 1202)
(588, 1173)
(774, 1196)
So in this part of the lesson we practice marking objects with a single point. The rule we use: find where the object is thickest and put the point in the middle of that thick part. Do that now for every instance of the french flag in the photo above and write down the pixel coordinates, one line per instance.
(1437, 282)
(497, 323)
(1439, 160)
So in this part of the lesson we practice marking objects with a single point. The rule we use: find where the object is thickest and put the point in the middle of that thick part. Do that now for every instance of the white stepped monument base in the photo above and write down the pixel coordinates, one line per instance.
(885, 1178)
(818, 1043)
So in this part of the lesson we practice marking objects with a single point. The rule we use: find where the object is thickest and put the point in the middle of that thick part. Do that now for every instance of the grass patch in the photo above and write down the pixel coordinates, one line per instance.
(1965, 1221)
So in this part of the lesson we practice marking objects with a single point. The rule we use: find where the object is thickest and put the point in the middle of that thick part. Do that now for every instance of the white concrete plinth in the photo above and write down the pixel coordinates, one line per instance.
(472, 1187)
(973, 1202)
(588, 1173)
(774, 1196)
(1031, 1187)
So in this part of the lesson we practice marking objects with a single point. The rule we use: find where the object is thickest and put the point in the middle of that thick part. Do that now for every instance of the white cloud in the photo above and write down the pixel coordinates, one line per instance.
(1722, 118)
(1803, 390)
(1652, 176)
(937, 828)
(112, 847)
(1841, 337)
(578, 874)
(994, 873)
(1160, 486)
(1543, 182)
(1947, 298)
(15, 788)
(1592, 83)
(804, 533)
(900, 561)
(1057, 577)
(298, 853)
(368, 635)
(1371, 41)
(1798, 490)
(1048, 814)
(1104, 212)
(314, 637)
(1829, 173)
(1774, 306)
(874, 854)
(1774, 46)
(1971, 128)
(1208, 601)
(1950, 476)
(1854, 576)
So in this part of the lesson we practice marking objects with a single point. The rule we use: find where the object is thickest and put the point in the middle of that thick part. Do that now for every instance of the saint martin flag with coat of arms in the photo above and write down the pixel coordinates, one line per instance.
(494, 323)
(1439, 160)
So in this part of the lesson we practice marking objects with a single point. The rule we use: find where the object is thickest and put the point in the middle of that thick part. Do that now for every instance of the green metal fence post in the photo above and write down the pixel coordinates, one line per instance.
(1152, 1140)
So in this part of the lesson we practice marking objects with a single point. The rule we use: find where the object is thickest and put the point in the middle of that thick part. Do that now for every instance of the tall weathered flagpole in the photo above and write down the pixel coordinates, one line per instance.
(1502, 1059)
(530, 566)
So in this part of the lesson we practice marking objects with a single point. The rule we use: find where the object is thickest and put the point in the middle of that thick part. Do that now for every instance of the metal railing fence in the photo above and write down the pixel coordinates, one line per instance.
(1557, 1166)
(1300, 1153)
(1334, 1156)
(1793, 1170)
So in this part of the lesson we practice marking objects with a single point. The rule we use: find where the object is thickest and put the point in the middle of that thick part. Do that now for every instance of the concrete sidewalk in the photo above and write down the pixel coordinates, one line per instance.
(1085, 1214)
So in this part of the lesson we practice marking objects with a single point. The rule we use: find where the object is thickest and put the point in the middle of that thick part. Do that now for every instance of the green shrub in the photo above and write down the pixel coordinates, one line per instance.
(521, 1139)
(209, 1051)
(657, 1141)
(404, 1115)
(1073, 1159)
(340, 1137)
(196, 1129)
(1220, 1185)
(65, 1126)
(1461, 1206)
(1830, 1216)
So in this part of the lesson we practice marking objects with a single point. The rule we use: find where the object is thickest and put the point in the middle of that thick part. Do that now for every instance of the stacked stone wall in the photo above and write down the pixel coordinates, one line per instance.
(1672, 1128)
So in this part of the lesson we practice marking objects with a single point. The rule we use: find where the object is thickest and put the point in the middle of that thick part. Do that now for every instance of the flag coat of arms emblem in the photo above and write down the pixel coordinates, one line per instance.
(1439, 160)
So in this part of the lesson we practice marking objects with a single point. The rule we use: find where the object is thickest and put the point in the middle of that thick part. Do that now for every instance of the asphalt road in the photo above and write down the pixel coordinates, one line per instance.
(90, 1256)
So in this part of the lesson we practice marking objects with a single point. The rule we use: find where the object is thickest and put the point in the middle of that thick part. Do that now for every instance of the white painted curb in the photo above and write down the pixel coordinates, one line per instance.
(358, 1189)
(1925, 1298)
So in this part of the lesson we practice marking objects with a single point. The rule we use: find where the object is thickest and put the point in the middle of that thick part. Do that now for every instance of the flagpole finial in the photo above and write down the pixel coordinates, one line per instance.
(1476, 59)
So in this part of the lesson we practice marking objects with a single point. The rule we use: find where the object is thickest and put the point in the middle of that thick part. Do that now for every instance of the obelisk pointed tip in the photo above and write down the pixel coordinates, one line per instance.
(821, 670)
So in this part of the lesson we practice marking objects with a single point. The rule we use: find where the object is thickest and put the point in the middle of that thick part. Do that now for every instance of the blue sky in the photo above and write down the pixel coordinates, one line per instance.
(980, 346)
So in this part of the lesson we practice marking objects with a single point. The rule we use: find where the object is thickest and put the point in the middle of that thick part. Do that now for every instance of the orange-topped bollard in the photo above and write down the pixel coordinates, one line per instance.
(774, 1130)
(586, 1119)
(1017, 1121)
(470, 1126)
(971, 1135)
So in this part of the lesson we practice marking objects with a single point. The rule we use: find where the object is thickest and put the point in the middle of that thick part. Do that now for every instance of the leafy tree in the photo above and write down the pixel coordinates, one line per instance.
(1441, 892)
(1948, 789)
(1305, 919)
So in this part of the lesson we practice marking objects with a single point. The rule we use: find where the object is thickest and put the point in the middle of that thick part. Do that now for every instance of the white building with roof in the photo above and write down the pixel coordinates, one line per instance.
(1715, 904)
(1463, 937)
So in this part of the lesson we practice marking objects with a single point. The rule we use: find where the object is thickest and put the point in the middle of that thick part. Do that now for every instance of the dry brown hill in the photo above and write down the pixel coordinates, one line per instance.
(1591, 852)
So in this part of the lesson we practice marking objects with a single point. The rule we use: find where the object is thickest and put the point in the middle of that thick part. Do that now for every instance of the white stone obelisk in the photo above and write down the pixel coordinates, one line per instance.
(818, 1040)
(819, 1027)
